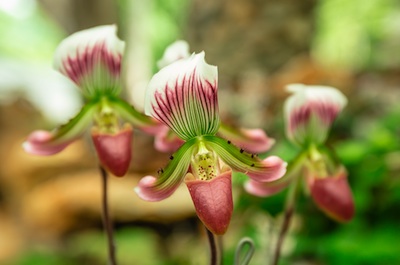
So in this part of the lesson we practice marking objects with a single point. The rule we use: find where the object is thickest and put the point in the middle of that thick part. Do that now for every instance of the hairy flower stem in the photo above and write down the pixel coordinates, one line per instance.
(289, 210)
(106, 219)
(215, 249)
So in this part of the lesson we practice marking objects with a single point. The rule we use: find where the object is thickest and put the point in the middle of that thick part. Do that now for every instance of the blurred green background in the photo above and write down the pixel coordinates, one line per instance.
(259, 47)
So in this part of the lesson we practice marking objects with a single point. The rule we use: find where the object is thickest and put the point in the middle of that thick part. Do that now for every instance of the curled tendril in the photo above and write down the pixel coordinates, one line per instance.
(248, 254)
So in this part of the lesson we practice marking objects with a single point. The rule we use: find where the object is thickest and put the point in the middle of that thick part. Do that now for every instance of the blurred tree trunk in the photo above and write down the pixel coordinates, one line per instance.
(248, 40)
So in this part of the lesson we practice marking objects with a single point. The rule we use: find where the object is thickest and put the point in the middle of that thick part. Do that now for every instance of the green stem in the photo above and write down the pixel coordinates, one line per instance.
(293, 170)
(249, 253)
(289, 210)
(106, 219)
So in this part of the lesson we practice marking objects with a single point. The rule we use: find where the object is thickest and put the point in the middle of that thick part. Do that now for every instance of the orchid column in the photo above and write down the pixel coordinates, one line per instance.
(92, 59)
(183, 96)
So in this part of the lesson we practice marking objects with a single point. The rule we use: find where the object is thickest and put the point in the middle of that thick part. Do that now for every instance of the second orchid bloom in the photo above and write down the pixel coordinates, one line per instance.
(92, 59)
(183, 96)
(309, 114)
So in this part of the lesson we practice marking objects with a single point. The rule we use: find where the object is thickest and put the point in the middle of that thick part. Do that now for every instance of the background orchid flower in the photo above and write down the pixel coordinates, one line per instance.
(92, 60)
(309, 114)
(183, 96)
(251, 140)
(174, 52)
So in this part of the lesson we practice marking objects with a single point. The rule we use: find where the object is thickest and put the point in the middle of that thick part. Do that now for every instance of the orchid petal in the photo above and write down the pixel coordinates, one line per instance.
(183, 96)
(131, 115)
(155, 189)
(310, 112)
(92, 59)
(252, 140)
(333, 195)
(213, 200)
(174, 52)
(269, 169)
(114, 150)
(39, 143)
(48, 143)
(167, 141)
(264, 189)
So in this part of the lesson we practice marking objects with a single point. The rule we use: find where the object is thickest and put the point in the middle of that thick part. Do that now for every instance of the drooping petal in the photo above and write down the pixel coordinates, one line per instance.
(213, 201)
(156, 189)
(269, 169)
(333, 195)
(174, 52)
(264, 189)
(92, 59)
(167, 141)
(252, 140)
(310, 112)
(183, 96)
(114, 150)
(48, 143)
(38, 144)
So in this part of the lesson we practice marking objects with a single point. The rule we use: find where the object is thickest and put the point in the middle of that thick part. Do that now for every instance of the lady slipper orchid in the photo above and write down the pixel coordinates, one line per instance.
(309, 114)
(183, 96)
(251, 140)
(92, 60)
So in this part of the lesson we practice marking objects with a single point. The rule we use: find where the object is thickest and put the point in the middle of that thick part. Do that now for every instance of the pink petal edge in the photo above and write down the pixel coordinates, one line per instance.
(39, 143)
(274, 169)
(261, 189)
(257, 141)
(166, 143)
(148, 192)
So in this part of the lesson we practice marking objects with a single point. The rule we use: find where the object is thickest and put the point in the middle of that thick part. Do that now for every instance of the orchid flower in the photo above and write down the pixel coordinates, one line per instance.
(183, 96)
(92, 60)
(251, 140)
(309, 114)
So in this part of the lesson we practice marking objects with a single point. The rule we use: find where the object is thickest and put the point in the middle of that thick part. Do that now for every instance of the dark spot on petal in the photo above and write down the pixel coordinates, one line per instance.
(171, 157)
(252, 165)
(241, 150)
(229, 142)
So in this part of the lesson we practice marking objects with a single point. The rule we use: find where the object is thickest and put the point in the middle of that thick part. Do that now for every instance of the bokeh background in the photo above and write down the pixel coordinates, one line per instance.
(50, 206)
